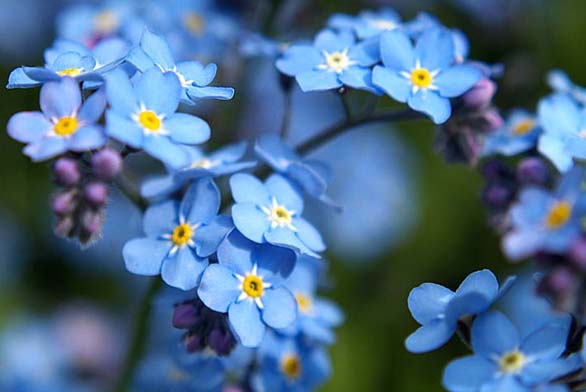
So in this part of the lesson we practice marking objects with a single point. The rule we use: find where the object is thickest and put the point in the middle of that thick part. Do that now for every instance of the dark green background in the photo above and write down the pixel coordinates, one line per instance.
(451, 239)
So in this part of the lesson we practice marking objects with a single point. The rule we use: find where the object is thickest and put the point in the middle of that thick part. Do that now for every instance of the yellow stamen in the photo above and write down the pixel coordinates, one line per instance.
(558, 215)
(149, 120)
(253, 286)
(201, 164)
(182, 234)
(66, 126)
(421, 77)
(512, 362)
(72, 72)
(523, 127)
(194, 23)
(291, 366)
(304, 303)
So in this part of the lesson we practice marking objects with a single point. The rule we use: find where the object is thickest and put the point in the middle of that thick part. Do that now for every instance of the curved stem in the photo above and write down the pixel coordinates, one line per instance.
(330, 133)
(129, 190)
(139, 338)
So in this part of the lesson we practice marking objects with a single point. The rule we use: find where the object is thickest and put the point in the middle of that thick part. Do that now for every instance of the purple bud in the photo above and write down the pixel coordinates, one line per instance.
(232, 388)
(64, 203)
(106, 164)
(192, 343)
(66, 172)
(496, 195)
(91, 222)
(494, 170)
(96, 193)
(480, 95)
(221, 342)
(64, 227)
(185, 316)
(533, 171)
(493, 119)
(578, 254)
(558, 281)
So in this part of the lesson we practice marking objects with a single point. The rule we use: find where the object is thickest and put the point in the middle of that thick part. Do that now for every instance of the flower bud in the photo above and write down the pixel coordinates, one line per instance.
(185, 316)
(66, 172)
(533, 171)
(91, 222)
(496, 195)
(193, 343)
(64, 203)
(578, 254)
(221, 341)
(64, 227)
(106, 164)
(493, 119)
(96, 193)
(480, 95)
(558, 282)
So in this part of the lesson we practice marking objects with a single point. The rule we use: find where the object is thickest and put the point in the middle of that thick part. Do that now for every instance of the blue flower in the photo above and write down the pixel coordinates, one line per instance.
(334, 60)
(222, 162)
(142, 115)
(505, 361)
(154, 52)
(271, 212)
(438, 309)
(564, 130)
(561, 83)
(545, 221)
(424, 76)
(316, 316)
(247, 283)
(65, 124)
(311, 175)
(288, 365)
(180, 237)
(519, 134)
(368, 23)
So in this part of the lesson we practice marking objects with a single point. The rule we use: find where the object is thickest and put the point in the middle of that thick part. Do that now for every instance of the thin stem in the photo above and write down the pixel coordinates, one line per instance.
(130, 191)
(285, 125)
(139, 338)
(336, 130)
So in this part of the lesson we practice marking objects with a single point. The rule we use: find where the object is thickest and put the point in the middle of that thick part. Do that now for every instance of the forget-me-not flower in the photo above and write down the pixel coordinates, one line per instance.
(546, 221)
(368, 23)
(154, 52)
(559, 81)
(65, 124)
(180, 237)
(142, 115)
(519, 134)
(424, 76)
(332, 61)
(271, 212)
(247, 283)
(438, 309)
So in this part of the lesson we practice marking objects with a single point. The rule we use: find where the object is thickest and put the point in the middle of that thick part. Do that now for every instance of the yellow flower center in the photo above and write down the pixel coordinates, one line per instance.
(66, 126)
(149, 120)
(281, 216)
(558, 215)
(304, 303)
(512, 362)
(291, 366)
(201, 164)
(253, 286)
(194, 23)
(182, 234)
(106, 22)
(72, 72)
(421, 77)
(523, 127)
(337, 61)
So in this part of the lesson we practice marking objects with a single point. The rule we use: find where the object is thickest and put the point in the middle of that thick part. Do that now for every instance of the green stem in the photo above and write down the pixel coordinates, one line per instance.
(139, 338)
(130, 191)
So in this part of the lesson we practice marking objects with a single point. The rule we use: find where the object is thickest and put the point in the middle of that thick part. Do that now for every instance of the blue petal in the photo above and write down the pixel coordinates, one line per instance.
(279, 308)
(283, 236)
(218, 288)
(519, 244)
(159, 92)
(248, 189)
(46, 148)
(165, 150)
(285, 192)
(250, 221)
(59, 99)
(159, 186)
(546, 343)
(429, 102)
(246, 322)
(318, 80)
(366, 53)
(28, 127)
(230, 153)
(183, 270)
(330, 41)
(396, 50)
(559, 115)
(18, 79)
(235, 252)
(160, 218)
(274, 260)
(201, 202)
(93, 107)
(427, 301)
(456, 80)
(144, 256)
(138, 58)
(391, 83)
(435, 49)
(124, 129)
(211, 92)
(309, 235)
(430, 336)
(298, 59)
(110, 50)
(494, 334)
(328, 312)
(87, 138)
(468, 373)
(358, 77)
(41, 74)
(209, 237)
(272, 150)
(553, 147)
(157, 49)
(310, 179)
(508, 383)
(193, 70)
(482, 282)
(187, 129)
(120, 93)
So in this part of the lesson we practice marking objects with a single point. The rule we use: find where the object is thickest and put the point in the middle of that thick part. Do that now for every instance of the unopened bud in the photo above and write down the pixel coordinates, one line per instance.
(106, 164)
(66, 172)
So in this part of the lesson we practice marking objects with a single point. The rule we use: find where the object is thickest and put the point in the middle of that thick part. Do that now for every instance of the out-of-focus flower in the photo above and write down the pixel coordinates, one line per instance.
(519, 134)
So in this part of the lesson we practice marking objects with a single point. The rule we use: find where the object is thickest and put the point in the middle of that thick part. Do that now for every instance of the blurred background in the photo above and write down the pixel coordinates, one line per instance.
(409, 218)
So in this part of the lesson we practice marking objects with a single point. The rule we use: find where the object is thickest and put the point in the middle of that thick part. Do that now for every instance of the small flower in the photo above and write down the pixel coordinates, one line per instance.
(65, 124)
(180, 238)
(288, 365)
(142, 115)
(561, 83)
(368, 23)
(505, 361)
(438, 309)
(564, 130)
(424, 76)
(545, 221)
(224, 161)
(519, 134)
(271, 212)
(247, 284)
(334, 60)
(154, 52)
